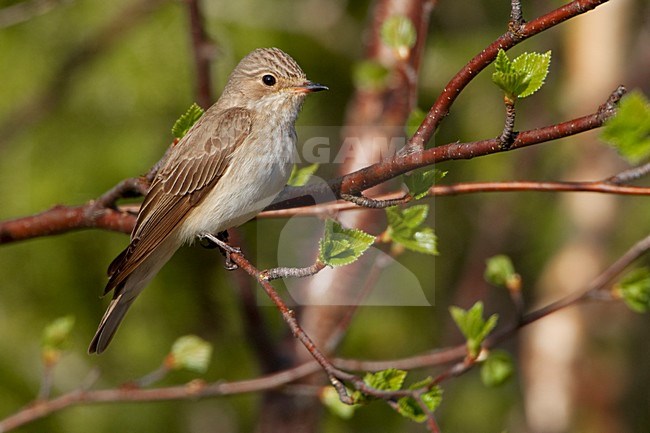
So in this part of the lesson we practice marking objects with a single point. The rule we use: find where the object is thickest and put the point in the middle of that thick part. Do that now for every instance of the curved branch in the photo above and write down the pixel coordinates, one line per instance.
(389, 168)
(512, 37)
(198, 389)
(62, 219)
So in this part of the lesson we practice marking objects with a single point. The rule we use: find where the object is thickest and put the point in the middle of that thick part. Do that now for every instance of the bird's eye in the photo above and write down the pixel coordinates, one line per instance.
(269, 80)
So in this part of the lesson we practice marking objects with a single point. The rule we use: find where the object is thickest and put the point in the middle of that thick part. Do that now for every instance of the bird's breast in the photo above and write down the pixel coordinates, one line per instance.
(258, 170)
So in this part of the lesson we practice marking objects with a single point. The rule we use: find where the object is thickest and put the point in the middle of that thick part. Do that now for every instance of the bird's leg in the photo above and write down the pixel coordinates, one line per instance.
(208, 240)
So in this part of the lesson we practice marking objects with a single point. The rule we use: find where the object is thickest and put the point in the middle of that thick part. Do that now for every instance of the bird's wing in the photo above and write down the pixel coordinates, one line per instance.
(191, 170)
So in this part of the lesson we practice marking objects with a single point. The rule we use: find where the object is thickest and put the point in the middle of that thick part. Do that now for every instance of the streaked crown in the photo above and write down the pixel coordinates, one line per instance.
(266, 79)
(263, 60)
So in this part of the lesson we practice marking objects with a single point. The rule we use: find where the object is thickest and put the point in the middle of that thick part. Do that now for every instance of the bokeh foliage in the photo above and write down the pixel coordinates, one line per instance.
(111, 119)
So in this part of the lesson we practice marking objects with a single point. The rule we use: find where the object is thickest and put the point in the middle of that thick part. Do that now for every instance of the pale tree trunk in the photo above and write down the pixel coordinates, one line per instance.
(554, 352)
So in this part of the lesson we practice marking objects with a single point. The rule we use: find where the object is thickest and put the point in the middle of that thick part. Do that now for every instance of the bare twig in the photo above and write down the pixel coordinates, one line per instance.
(516, 17)
(630, 175)
(389, 168)
(335, 375)
(372, 203)
(277, 273)
(507, 136)
(198, 389)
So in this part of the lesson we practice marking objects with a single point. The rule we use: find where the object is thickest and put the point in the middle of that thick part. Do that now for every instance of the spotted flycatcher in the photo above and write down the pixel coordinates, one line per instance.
(226, 169)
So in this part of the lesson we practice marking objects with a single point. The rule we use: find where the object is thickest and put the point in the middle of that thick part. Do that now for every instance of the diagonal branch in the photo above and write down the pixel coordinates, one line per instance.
(62, 219)
(390, 168)
(448, 96)
(198, 389)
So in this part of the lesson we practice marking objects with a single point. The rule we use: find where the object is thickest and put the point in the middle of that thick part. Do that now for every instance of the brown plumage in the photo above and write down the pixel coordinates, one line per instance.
(225, 170)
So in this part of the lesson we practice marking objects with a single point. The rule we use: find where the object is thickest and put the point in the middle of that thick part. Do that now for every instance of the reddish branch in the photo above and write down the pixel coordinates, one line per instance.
(357, 182)
(512, 37)
(375, 174)
(198, 389)
(62, 219)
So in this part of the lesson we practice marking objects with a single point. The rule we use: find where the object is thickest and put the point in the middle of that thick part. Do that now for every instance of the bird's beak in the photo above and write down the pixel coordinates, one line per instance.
(310, 87)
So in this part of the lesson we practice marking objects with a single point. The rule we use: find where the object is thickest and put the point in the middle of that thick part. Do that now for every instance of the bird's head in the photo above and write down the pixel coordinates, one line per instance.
(269, 79)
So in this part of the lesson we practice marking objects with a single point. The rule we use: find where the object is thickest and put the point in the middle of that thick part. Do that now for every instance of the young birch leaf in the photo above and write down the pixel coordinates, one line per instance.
(534, 67)
(629, 130)
(300, 176)
(386, 380)
(340, 246)
(472, 325)
(414, 216)
(420, 181)
(523, 76)
(497, 368)
(187, 120)
(500, 271)
(502, 63)
(405, 228)
(56, 338)
(399, 33)
(190, 353)
(409, 407)
(509, 80)
(634, 288)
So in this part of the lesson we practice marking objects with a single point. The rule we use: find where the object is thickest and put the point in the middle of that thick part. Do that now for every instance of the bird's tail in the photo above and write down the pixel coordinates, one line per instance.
(126, 293)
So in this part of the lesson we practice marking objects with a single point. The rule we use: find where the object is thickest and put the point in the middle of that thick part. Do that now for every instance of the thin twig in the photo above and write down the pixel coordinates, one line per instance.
(389, 168)
(199, 390)
(507, 136)
(277, 273)
(630, 174)
(516, 17)
(335, 375)
(372, 203)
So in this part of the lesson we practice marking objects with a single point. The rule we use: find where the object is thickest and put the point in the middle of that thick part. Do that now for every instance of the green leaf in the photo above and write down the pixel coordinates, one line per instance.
(634, 288)
(502, 63)
(405, 228)
(414, 216)
(329, 397)
(56, 335)
(415, 119)
(497, 368)
(390, 379)
(534, 66)
(187, 120)
(370, 75)
(409, 407)
(500, 271)
(420, 181)
(190, 353)
(340, 246)
(56, 338)
(399, 32)
(384, 380)
(472, 325)
(300, 176)
(523, 76)
(629, 130)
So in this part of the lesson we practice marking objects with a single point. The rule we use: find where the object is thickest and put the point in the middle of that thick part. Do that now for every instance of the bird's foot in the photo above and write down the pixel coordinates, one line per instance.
(208, 240)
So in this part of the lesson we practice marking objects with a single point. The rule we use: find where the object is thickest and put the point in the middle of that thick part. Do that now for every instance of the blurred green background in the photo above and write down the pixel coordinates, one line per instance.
(89, 91)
